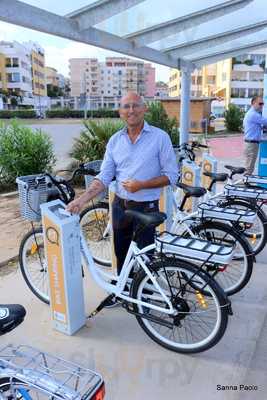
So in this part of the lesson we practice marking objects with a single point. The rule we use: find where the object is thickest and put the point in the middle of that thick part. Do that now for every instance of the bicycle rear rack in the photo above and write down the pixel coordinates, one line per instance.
(197, 249)
(47, 373)
(256, 179)
(245, 192)
(206, 210)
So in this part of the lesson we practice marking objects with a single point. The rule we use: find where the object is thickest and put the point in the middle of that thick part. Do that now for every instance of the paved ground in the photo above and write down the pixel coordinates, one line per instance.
(134, 367)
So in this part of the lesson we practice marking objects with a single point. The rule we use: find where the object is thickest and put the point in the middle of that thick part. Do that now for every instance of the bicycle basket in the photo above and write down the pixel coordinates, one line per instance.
(31, 195)
(96, 166)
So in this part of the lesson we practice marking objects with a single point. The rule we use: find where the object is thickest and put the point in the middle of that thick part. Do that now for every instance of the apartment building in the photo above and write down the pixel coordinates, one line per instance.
(247, 78)
(38, 69)
(162, 90)
(15, 70)
(112, 78)
(51, 77)
(209, 81)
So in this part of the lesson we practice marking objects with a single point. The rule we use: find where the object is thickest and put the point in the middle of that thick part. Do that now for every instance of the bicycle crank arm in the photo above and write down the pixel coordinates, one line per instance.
(146, 316)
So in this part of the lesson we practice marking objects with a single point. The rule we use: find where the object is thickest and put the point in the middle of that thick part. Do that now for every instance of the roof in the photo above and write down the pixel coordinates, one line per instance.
(182, 35)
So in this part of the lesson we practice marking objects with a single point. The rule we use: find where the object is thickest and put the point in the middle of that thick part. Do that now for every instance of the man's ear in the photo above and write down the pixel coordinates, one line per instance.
(145, 108)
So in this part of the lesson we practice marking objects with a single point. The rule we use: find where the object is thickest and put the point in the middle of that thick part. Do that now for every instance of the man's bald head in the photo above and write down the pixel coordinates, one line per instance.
(132, 97)
(132, 109)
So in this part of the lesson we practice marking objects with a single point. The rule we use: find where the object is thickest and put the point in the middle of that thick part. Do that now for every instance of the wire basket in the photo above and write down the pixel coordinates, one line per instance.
(48, 374)
(96, 166)
(31, 195)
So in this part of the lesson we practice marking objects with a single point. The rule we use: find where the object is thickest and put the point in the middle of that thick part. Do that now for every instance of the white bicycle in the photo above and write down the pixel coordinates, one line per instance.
(175, 302)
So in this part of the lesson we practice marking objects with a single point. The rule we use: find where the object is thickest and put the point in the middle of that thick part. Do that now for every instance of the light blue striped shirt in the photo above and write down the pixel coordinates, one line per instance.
(253, 123)
(152, 155)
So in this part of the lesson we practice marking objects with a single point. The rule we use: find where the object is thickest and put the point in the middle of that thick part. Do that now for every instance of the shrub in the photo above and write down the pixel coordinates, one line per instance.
(24, 151)
(234, 118)
(158, 117)
(69, 113)
(17, 114)
(91, 144)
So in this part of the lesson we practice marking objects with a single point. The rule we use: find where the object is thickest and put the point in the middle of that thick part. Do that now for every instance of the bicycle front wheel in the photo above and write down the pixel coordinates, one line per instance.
(199, 320)
(33, 264)
(96, 227)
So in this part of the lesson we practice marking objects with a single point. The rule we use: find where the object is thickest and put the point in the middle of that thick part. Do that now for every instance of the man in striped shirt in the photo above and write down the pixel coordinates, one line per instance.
(142, 160)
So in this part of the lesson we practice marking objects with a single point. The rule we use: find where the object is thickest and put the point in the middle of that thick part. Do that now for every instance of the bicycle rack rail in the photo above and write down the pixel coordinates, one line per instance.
(256, 179)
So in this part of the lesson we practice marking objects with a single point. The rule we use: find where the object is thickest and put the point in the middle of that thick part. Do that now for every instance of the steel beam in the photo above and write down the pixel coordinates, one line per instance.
(185, 49)
(19, 13)
(234, 51)
(185, 105)
(160, 31)
(100, 11)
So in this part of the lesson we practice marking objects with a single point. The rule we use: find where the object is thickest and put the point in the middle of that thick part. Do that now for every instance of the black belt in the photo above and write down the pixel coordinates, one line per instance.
(131, 203)
(252, 141)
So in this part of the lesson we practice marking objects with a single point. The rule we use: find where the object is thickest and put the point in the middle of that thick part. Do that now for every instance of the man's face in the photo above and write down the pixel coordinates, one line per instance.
(258, 104)
(132, 110)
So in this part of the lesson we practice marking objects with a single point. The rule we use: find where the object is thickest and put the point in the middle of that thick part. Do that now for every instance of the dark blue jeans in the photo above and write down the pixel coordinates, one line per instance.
(124, 227)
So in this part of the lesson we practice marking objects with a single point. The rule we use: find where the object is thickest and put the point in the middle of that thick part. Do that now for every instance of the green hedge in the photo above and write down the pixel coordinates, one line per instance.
(7, 114)
(68, 113)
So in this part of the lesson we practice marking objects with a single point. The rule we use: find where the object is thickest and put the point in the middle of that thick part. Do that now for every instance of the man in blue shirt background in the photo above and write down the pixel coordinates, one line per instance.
(253, 124)
(142, 160)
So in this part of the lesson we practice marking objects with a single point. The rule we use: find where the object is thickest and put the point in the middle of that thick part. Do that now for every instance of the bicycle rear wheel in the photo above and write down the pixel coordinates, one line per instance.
(199, 321)
(256, 234)
(234, 276)
(33, 264)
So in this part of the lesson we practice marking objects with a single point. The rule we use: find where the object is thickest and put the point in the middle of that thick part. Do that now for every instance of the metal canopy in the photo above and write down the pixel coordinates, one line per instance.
(182, 35)
(177, 35)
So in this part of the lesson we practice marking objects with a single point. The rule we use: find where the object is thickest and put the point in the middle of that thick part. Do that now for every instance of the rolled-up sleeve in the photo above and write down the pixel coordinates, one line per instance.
(108, 168)
(168, 161)
(257, 118)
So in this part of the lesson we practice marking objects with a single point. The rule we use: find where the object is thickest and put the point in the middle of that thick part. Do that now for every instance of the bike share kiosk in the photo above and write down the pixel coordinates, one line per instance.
(62, 250)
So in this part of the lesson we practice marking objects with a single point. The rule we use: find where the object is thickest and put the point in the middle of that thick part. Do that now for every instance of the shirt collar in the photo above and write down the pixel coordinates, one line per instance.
(146, 128)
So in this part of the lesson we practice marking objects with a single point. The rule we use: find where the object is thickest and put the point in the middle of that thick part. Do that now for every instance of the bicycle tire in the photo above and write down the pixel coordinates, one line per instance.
(262, 221)
(216, 296)
(35, 274)
(206, 230)
(94, 221)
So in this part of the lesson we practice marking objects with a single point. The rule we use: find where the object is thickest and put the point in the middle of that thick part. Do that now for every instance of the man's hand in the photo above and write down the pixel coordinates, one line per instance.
(132, 185)
(76, 205)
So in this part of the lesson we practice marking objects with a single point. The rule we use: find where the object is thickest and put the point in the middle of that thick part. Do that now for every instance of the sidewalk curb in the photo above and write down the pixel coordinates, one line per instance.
(9, 260)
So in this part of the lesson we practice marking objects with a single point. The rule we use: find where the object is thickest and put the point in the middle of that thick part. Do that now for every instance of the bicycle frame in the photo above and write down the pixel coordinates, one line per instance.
(134, 255)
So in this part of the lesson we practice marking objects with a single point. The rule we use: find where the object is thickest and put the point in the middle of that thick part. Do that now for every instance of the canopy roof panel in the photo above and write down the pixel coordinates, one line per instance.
(175, 34)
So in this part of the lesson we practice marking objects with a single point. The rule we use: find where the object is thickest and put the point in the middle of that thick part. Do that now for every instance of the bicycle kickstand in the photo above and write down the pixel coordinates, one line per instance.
(101, 305)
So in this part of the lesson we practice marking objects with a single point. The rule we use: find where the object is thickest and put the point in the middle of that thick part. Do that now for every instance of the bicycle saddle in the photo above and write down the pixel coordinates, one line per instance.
(150, 219)
(235, 170)
(192, 191)
(217, 177)
(11, 315)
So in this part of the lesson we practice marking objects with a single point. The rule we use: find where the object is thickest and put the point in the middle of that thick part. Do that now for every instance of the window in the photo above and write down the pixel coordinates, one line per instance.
(15, 77)
(119, 72)
(199, 80)
(8, 62)
(15, 62)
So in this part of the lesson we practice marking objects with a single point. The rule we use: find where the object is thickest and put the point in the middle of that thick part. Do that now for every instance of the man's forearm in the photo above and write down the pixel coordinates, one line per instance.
(159, 181)
(95, 188)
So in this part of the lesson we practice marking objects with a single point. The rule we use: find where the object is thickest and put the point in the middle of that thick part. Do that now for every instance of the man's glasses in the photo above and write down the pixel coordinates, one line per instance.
(134, 106)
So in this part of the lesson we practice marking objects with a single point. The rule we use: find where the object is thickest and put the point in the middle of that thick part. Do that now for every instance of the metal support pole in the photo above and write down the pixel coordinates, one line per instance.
(185, 105)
